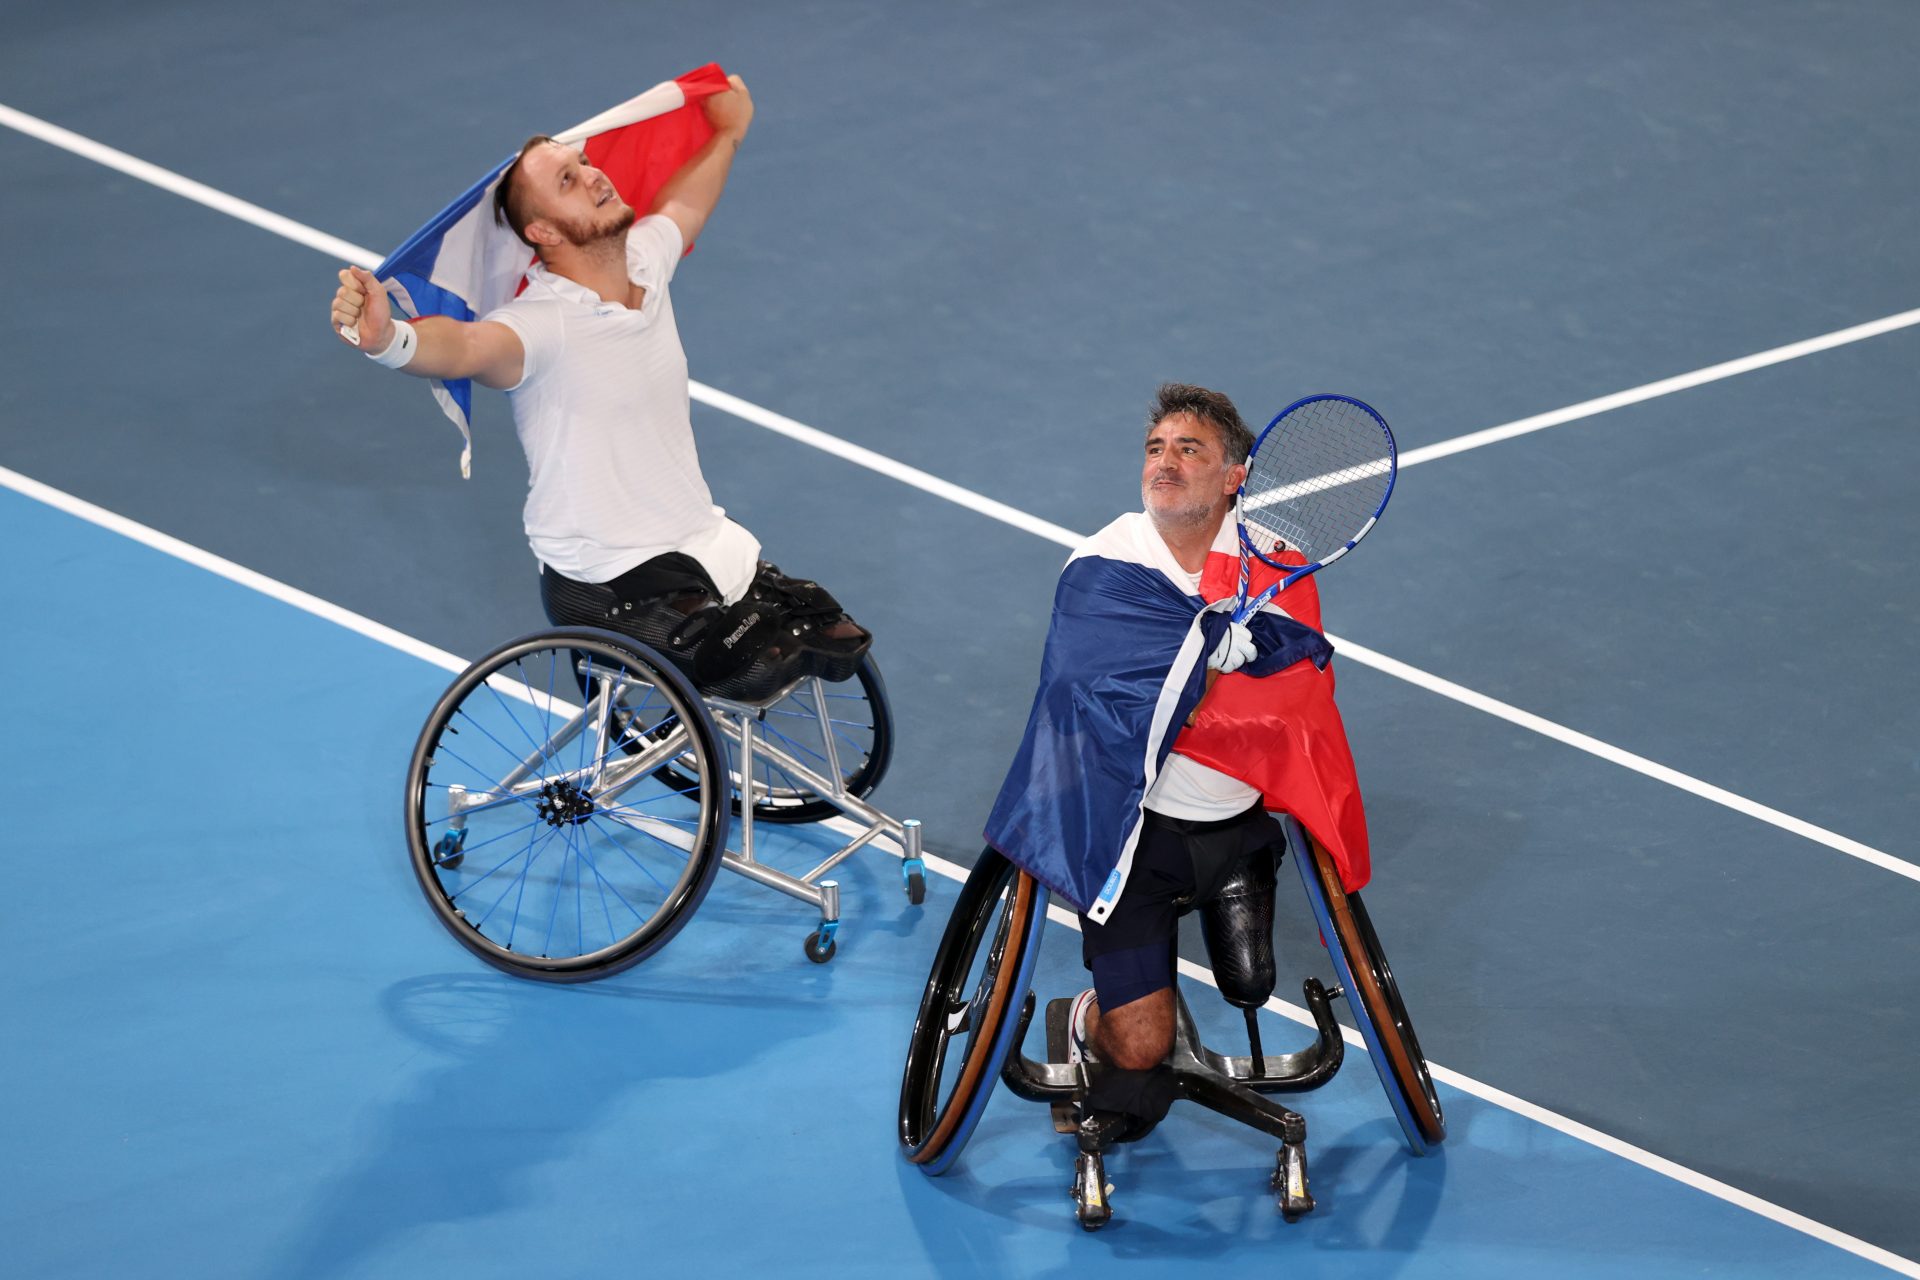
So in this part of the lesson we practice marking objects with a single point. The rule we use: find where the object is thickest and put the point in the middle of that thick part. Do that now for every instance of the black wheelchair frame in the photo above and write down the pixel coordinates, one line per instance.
(978, 1006)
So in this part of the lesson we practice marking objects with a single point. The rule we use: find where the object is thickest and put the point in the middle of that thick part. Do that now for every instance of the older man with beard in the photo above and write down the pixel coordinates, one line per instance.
(617, 511)
(1137, 795)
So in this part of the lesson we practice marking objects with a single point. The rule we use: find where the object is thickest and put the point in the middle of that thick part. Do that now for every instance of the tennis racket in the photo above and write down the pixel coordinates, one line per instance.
(1317, 480)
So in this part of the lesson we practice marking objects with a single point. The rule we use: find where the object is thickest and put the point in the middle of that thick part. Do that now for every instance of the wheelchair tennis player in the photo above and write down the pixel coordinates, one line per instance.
(617, 511)
(1183, 739)
(1135, 810)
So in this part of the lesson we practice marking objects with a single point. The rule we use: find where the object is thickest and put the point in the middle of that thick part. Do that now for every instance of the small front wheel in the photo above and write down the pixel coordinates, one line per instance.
(820, 946)
(447, 849)
(1091, 1192)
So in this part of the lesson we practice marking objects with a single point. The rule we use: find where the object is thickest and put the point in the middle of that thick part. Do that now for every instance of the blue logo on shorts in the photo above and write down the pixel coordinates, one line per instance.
(1111, 887)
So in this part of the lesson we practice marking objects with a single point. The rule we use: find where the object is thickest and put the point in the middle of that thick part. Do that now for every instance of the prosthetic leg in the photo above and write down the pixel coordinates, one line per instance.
(1237, 926)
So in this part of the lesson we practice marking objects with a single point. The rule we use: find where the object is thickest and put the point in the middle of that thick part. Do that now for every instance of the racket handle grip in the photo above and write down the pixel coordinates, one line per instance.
(1253, 606)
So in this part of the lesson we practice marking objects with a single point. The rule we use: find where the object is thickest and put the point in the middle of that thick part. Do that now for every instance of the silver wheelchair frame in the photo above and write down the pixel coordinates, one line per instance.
(740, 721)
(712, 744)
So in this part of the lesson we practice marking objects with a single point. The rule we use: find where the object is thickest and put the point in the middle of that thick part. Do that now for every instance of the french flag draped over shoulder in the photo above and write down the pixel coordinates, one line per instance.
(464, 263)
(1124, 667)
(1282, 733)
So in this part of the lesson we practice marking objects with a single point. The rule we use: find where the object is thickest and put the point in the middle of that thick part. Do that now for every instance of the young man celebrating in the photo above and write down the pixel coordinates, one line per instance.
(617, 510)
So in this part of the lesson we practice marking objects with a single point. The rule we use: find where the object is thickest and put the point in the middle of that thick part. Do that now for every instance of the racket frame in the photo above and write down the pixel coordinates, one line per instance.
(1247, 608)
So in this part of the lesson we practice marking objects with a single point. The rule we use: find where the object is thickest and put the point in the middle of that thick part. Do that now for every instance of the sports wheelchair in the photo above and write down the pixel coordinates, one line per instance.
(569, 800)
(974, 1017)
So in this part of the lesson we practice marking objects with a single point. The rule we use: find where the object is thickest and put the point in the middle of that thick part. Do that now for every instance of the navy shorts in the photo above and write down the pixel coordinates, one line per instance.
(1176, 866)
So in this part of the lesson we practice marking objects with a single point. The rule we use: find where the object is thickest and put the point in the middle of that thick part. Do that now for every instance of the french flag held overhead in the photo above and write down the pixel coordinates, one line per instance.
(464, 263)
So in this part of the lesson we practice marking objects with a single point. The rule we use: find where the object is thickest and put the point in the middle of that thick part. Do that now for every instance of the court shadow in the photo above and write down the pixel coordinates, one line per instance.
(951, 1243)
(520, 1074)
(1168, 1204)
(1356, 1187)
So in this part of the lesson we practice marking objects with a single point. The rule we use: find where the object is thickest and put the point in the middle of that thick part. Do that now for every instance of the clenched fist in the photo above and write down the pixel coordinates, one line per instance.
(731, 112)
(362, 315)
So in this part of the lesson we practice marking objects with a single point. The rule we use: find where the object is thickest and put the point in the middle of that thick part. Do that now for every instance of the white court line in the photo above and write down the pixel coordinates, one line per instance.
(986, 506)
(224, 568)
(300, 233)
(199, 193)
(1664, 387)
(995, 510)
(887, 466)
(309, 603)
(1625, 759)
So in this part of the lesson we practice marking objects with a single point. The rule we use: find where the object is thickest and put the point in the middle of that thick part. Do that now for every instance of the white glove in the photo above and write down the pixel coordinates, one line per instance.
(1235, 649)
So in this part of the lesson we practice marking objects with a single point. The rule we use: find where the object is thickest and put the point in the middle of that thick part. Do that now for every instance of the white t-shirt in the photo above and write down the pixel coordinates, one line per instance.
(1186, 788)
(601, 409)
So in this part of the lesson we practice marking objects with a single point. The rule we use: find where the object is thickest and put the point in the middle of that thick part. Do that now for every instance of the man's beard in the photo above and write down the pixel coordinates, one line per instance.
(582, 233)
(1196, 511)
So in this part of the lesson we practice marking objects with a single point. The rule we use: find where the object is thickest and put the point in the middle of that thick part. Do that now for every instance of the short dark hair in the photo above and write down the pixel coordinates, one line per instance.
(1210, 407)
(509, 204)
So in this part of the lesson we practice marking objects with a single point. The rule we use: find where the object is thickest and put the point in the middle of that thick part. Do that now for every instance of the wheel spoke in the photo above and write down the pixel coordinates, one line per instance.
(555, 852)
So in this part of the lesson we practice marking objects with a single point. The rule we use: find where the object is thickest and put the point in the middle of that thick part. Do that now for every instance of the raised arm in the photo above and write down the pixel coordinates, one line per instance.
(490, 354)
(690, 194)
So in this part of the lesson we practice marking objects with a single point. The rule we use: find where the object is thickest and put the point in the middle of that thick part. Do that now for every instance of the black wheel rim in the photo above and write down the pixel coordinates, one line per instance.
(577, 858)
(1397, 1010)
(966, 1009)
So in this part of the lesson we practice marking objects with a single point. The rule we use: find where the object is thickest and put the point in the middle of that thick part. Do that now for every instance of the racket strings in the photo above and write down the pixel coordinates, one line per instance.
(1316, 478)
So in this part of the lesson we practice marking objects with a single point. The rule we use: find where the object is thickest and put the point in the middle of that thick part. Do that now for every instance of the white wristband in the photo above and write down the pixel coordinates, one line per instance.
(400, 350)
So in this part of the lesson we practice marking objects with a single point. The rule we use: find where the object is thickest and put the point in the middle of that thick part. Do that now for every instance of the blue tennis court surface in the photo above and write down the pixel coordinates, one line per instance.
(251, 1052)
(1679, 906)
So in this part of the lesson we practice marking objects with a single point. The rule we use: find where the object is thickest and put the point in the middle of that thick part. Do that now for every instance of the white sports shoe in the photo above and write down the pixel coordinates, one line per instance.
(1078, 1050)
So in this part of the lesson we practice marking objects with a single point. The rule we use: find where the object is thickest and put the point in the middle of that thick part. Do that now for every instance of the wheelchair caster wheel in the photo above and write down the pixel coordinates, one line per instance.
(820, 946)
(916, 887)
(447, 850)
(1290, 1183)
(1091, 1191)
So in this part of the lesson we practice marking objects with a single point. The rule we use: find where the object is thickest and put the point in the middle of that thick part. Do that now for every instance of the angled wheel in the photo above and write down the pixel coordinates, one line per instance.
(861, 727)
(969, 1013)
(860, 724)
(545, 831)
(1372, 994)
